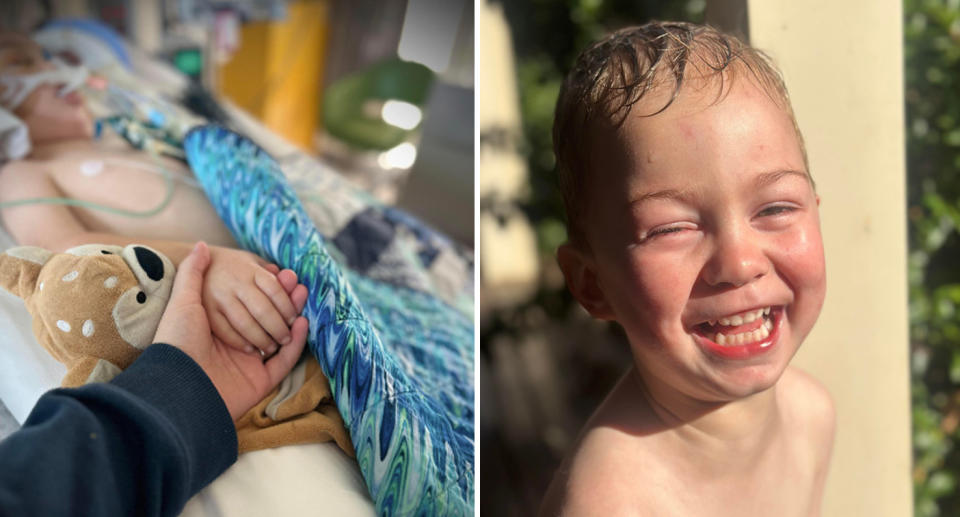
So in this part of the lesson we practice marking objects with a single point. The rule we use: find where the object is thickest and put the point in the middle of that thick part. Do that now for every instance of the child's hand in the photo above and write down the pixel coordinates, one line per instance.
(247, 305)
(241, 379)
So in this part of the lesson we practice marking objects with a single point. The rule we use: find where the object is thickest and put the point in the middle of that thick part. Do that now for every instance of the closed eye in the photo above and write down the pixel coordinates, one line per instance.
(776, 210)
(664, 231)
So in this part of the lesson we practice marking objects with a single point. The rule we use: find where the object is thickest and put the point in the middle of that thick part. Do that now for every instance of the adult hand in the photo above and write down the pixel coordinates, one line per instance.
(241, 378)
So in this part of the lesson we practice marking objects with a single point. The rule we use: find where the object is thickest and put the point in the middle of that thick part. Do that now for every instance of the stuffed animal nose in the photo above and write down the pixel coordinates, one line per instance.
(150, 262)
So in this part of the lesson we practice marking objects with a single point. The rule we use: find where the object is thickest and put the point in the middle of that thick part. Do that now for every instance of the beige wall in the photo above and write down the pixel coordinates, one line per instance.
(843, 63)
(509, 270)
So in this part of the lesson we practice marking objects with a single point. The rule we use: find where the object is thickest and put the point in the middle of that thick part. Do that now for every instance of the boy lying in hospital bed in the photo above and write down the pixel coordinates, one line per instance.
(67, 162)
(245, 303)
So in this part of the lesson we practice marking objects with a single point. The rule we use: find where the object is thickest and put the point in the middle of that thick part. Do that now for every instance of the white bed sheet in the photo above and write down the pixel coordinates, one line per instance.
(294, 480)
(26, 370)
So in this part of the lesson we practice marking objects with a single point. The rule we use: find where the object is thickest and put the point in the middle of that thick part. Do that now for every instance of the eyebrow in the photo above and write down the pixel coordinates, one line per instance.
(763, 180)
(769, 178)
(661, 194)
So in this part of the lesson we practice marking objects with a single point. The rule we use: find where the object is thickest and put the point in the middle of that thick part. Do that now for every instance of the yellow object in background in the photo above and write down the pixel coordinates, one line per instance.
(277, 72)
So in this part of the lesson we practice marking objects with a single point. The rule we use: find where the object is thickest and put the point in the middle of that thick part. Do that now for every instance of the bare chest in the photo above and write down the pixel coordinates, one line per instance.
(783, 486)
(128, 181)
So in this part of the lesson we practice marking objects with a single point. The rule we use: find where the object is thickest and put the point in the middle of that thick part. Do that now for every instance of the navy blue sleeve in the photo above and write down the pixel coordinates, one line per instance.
(142, 444)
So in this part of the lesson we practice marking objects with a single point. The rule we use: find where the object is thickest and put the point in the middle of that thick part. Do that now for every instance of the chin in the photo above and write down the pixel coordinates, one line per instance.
(750, 381)
(81, 123)
(58, 120)
(73, 129)
(739, 381)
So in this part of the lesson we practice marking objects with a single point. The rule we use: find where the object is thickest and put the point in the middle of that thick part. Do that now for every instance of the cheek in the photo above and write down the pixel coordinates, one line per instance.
(801, 253)
(49, 117)
(800, 261)
(654, 289)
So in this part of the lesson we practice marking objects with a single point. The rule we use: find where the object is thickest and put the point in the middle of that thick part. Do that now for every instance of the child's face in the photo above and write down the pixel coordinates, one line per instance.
(48, 116)
(700, 213)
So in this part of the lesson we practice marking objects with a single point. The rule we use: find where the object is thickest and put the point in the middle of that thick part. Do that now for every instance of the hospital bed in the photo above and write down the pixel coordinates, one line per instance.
(283, 481)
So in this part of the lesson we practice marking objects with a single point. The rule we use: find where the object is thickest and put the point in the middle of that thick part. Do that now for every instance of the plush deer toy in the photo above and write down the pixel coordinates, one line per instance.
(96, 307)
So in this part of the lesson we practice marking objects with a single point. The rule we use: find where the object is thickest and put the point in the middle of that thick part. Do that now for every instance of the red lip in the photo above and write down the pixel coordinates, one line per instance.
(748, 350)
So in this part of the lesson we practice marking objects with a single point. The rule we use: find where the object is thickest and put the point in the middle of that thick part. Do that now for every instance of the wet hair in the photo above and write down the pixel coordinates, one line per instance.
(611, 77)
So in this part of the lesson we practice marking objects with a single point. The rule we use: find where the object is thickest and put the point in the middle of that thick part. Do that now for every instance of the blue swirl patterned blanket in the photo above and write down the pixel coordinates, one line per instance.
(399, 360)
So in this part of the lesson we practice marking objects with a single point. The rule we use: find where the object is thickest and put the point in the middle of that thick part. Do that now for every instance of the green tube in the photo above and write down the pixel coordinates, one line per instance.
(168, 181)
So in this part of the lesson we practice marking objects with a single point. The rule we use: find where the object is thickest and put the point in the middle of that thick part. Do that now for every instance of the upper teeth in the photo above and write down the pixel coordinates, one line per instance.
(762, 332)
(745, 317)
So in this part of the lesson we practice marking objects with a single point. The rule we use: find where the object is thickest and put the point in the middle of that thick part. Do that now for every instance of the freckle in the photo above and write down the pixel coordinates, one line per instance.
(649, 157)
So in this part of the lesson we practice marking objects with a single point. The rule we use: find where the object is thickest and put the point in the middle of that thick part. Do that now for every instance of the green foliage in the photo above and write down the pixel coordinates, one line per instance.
(932, 70)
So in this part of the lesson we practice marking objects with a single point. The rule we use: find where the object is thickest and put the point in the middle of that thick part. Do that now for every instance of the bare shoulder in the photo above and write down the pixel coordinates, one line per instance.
(810, 414)
(24, 179)
(809, 402)
(18, 175)
(37, 224)
(612, 466)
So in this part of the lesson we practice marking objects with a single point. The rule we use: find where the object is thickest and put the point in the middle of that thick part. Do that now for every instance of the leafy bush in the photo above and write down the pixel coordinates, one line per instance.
(932, 70)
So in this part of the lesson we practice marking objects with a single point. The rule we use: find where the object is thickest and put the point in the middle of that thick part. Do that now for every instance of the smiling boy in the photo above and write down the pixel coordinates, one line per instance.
(693, 223)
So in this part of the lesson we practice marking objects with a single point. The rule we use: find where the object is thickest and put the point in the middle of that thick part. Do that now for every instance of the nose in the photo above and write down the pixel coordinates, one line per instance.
(150, 262)
(736, 260)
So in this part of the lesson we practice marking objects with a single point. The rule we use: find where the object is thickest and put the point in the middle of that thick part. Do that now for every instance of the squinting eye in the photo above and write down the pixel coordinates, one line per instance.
(776, 210)
(664, 231)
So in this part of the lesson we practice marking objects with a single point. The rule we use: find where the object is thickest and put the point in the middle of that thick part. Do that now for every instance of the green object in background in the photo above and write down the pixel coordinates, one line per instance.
(932, 83)
(343, 105)
(189, 61)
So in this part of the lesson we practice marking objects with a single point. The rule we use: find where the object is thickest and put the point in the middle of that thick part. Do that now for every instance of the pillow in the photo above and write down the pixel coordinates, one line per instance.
(399, 361)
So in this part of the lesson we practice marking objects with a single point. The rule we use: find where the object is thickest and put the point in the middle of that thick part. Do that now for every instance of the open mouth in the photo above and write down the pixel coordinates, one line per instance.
(741, 335)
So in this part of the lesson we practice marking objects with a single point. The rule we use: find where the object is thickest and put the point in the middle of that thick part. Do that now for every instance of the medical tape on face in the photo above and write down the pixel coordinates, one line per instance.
(16, 88)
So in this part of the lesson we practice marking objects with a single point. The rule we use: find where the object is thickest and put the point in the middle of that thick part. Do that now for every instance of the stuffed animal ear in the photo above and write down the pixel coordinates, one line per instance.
(94, 249)
(20, 267)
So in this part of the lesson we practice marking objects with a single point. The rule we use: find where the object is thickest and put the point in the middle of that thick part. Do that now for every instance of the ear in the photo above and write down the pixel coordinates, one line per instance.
(20, 267)
(580, 272)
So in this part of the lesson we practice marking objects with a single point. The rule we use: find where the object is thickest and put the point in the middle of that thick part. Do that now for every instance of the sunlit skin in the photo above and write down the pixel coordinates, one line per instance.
(701, 212)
